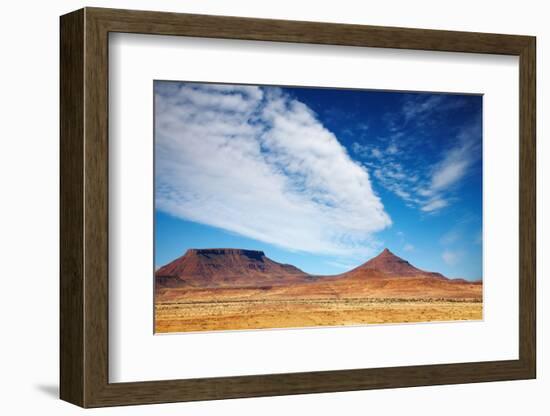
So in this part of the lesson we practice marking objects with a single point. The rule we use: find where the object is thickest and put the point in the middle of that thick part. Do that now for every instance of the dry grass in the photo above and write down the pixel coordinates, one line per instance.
(191, 316)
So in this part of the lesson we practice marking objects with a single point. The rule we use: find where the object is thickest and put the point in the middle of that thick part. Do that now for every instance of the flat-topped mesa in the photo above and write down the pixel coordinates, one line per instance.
(257, 254)
(226, 267)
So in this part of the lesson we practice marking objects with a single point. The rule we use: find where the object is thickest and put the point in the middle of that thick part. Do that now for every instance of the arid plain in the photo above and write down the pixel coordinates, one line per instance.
(231, 289)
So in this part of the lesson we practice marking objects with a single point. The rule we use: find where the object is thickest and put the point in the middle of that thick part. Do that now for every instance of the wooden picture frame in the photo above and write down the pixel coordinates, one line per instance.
(84, 207)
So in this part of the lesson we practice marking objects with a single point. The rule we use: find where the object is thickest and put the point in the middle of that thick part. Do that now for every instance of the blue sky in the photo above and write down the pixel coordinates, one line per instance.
(320, 178)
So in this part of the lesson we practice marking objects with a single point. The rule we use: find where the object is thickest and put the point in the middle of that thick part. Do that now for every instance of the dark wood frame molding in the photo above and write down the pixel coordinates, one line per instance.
(84, 207)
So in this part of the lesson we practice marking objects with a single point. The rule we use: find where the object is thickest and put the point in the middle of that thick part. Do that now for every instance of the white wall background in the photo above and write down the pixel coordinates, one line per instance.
(29, 159)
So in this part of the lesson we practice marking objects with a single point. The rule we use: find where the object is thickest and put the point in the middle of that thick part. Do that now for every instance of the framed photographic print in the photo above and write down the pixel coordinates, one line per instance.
(256, 207)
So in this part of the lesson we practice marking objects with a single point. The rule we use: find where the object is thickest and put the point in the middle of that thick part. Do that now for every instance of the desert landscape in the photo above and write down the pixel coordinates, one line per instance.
(236, 289)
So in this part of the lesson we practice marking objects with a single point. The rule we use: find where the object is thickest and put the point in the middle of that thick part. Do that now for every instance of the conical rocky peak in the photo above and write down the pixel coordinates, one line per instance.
(389, 264)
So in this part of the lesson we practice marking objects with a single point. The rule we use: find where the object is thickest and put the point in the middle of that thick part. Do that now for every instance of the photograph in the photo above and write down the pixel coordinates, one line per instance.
(293, 207)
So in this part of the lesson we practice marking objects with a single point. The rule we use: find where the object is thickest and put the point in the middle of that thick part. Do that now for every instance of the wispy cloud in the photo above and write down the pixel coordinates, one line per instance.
(426, 109)
(428, 186)
(456, 162)
(257, 162)
(418, 108)
(434, 204)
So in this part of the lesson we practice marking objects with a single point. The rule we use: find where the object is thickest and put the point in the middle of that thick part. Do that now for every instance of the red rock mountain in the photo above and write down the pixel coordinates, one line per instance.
(226, 267)
(235, 274)
(388, 264)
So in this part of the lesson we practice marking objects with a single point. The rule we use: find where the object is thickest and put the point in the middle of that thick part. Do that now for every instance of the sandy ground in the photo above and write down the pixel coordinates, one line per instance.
(261, 314)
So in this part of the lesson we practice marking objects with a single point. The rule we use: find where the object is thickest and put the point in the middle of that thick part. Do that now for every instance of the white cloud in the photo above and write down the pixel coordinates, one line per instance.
(454, 165)
(426, 186)
(360, 149)
(418, 107)
(451, 257)
(449, 172)
(367, 151)
(434, 205)
(256, 162)
(376, 153)
(392, 149)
